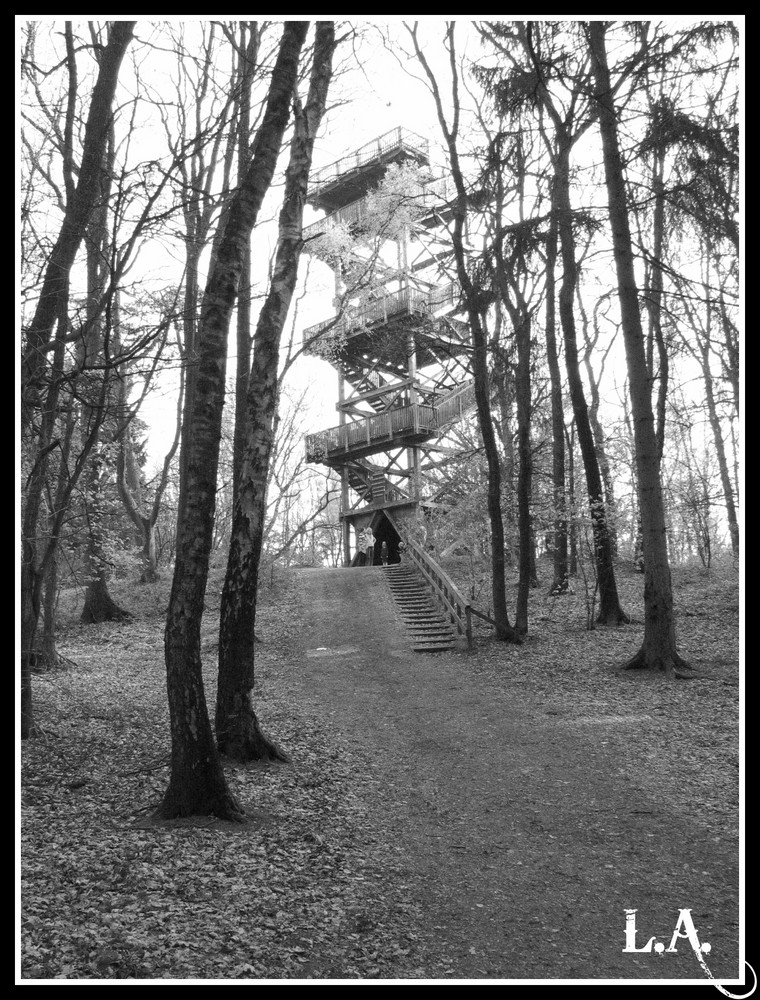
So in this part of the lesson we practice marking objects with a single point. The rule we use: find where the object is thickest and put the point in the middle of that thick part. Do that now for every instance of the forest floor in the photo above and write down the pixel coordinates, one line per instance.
(452, 816)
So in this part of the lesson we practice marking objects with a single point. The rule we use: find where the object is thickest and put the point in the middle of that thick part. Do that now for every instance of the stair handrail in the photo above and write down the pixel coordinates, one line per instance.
(454, 404)
(446, 592)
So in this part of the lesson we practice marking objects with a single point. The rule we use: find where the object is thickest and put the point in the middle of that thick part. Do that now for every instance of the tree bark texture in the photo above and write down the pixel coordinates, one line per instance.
(238, 732)
(101, 332)
(247, 56)
(130, 491)
(658, 650)
(197, 783)
(610, 611)
(525, 474)
(559, 542)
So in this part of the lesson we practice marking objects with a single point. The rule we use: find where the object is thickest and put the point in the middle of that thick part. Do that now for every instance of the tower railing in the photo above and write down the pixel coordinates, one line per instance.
(456, 607)
(455, 404)
(397, 139)
(373, 429)
(377, 428)
(424, 197)
(404, 301)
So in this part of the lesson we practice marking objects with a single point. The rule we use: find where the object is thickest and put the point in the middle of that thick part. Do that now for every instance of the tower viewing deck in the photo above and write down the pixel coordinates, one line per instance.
(389, 305)
(430, 199)
(351, 177)
(402, 425)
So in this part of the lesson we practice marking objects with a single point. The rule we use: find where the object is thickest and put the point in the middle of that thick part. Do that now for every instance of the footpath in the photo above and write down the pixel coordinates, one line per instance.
(522, 840)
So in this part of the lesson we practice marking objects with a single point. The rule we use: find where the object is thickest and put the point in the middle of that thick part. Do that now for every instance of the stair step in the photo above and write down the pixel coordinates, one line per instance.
(431, 619)
(428, 613)
(437, 634)
(429, 630)
(442, 633)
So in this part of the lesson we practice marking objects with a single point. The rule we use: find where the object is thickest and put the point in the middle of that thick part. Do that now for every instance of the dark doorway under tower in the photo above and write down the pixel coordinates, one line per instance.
(385, 532)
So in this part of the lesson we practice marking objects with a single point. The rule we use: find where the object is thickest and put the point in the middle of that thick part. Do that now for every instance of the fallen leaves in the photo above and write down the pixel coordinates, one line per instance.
(309, 888)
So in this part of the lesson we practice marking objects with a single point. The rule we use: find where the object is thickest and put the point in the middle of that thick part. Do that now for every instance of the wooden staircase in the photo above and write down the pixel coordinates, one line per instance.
(371, 483)
(429, 629)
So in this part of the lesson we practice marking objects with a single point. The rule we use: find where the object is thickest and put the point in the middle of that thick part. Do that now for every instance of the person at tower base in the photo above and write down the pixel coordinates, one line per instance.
(369, 546)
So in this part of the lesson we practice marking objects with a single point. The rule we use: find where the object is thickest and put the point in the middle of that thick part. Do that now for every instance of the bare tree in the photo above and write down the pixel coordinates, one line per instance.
(48, 330)
(238, 732)
(658, 650)
(197, 783)
(568, 127)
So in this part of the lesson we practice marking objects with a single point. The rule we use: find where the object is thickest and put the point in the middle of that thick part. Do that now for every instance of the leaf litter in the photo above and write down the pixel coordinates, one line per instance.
(319, 883)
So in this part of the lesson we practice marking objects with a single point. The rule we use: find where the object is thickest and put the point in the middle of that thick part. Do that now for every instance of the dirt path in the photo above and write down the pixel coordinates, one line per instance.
(522, 839)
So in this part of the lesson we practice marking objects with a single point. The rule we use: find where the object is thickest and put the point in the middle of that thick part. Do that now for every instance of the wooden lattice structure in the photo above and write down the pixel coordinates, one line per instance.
(402, 353)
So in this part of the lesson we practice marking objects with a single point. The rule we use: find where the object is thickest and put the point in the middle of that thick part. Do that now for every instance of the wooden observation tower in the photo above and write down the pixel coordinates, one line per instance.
(402, 355)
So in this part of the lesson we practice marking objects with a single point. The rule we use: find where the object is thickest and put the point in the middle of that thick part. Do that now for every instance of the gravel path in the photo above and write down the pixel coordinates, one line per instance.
(522, 839)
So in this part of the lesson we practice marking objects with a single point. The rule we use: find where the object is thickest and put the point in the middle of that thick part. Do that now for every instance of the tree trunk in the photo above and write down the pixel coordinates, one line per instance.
(248, 54)
(98, 606)
(513, 299)
(148, 553)
(701, 353)
(573, 504)
(51, 311)
(525, 474)
(46, 656)
(559, 541)
(720, 452)
(655, 297)
(101, 326)
(610, 611)
(30, 614)
(605, 470)
(658, 650)
(128, 484)
(197, 783)
(238, 732)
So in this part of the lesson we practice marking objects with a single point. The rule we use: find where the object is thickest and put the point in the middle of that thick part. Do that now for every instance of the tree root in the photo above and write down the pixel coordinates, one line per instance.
(244, 742)
(223, 805)
(613, 618)
(670, 664)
